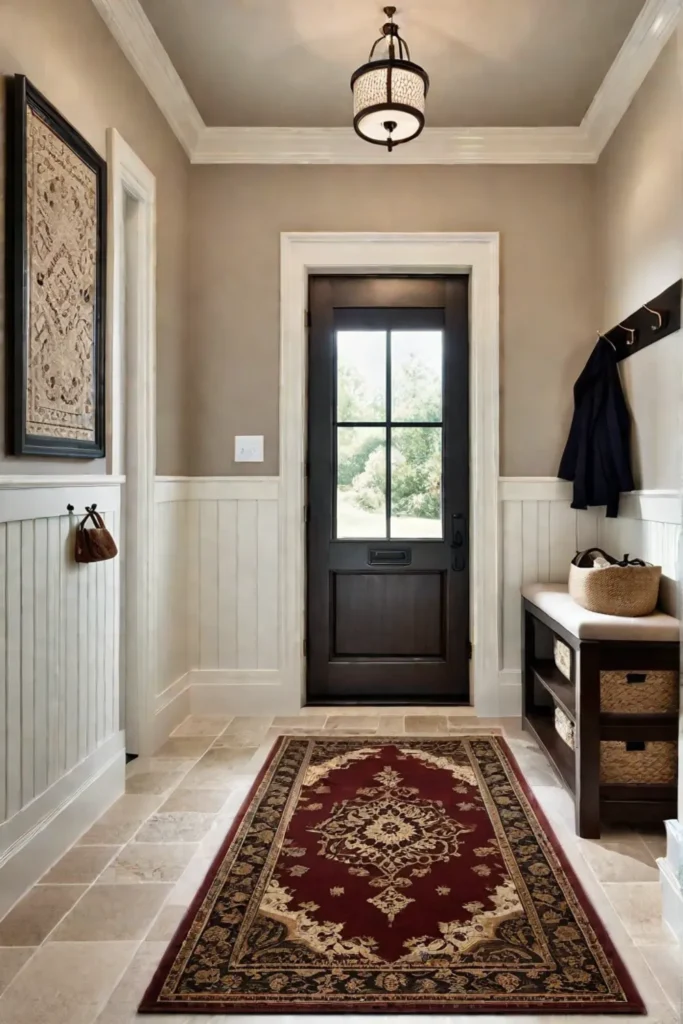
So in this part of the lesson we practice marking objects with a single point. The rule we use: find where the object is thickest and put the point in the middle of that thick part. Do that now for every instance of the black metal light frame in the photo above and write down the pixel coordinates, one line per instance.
(390, 31)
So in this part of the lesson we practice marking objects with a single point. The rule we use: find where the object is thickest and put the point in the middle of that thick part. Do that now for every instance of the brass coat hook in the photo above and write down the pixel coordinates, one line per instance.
(649, 323)
(605, 338)
(660, 318)
(632, 331)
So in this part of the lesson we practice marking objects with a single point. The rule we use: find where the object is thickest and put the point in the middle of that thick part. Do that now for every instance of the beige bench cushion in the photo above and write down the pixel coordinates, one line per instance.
(554, 600)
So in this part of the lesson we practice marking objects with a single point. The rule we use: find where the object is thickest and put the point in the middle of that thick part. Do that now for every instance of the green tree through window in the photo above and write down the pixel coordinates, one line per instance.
(416, 462)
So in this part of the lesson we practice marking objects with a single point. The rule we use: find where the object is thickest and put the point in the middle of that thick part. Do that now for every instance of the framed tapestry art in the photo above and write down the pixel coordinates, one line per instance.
(55, 263)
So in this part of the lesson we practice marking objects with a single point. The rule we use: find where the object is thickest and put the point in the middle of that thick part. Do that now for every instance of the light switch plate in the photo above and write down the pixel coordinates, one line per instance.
(249, 448)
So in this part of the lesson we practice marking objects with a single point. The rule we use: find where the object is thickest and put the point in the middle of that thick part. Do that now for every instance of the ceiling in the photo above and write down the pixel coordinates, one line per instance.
(492, 63)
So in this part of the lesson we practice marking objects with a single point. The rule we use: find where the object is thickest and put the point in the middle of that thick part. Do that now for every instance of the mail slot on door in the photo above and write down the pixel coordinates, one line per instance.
(389, 556)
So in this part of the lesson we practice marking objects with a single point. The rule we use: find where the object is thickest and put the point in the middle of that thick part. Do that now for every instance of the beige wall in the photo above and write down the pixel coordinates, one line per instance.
(68, 53)
(549, 300)
(640, 237)
(217, 365)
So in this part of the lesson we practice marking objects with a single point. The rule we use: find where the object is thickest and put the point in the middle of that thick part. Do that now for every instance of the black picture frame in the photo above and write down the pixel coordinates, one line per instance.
(22, 96)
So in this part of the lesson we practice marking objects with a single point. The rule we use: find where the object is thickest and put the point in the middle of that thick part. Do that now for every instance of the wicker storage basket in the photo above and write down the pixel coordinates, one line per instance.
(639, 693)
(628, 764)
(631, 764)
(630, 590)
(564, 727)
(563, 658)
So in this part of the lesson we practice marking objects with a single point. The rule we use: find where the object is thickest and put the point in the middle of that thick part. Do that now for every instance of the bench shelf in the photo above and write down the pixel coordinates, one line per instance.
(562, 691)
(542, 728)
(546, 688)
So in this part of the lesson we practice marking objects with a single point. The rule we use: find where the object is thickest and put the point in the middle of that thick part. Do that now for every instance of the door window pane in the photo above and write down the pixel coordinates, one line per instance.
(361, 482)
(416, 474)
(361, 376)
(416, 376)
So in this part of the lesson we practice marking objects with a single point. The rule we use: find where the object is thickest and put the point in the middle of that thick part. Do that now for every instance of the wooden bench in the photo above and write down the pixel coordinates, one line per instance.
(603, 658)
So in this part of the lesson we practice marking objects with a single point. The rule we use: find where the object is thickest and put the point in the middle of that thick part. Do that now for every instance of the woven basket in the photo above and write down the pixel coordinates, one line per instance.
(630, 590)
(564, 727)
(638, 693)
(563, 658)
(655, 764)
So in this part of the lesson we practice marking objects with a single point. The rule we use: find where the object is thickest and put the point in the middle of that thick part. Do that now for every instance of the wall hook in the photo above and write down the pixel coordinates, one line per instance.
(605, 338)
(660, 318)
(632, 331)
(653, 320)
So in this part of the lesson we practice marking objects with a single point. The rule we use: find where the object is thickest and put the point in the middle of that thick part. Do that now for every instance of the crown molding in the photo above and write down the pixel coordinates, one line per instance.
(434, 146)
(649, 34)
(133, 31)
(580, 144)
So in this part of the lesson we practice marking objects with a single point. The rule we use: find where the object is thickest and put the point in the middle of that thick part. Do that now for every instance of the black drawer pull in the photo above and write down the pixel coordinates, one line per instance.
(635, 744)
(636, 677)
(389, 556)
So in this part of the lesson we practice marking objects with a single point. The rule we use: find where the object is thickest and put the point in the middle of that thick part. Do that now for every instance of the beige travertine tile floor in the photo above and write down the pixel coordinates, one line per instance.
(82, 945)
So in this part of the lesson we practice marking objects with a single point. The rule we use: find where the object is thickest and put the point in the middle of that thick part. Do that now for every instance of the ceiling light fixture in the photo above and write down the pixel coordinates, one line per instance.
(389, 92)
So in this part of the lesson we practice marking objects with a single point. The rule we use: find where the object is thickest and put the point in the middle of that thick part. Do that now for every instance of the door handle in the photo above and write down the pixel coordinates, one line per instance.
(458, 541)
(457, 530)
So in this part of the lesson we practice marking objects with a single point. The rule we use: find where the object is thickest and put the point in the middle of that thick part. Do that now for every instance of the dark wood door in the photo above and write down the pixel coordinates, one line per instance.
(388, 477)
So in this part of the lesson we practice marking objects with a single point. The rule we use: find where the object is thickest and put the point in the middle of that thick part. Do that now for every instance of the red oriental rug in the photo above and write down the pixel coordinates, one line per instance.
(405, 875)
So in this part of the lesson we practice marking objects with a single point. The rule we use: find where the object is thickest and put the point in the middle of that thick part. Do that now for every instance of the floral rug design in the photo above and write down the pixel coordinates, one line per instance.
(406, 875)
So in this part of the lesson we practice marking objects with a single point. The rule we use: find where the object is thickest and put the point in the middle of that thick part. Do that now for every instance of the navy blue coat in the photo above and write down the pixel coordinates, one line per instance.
(597, 457)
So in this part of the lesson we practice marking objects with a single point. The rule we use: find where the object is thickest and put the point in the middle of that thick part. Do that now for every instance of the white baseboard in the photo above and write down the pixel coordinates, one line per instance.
(672, 899)
(240, 692)
(172, 706)
(510, 693)
(261, 692)
(671, 878)
(220, 692)
(38, 835)
(674, 846)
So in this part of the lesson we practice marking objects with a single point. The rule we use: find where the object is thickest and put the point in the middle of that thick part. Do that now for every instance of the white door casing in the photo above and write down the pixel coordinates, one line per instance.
(476, 254)
(131, 353)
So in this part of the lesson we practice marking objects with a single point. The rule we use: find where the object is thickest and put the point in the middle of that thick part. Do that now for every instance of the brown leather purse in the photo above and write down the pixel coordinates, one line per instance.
(94, 544)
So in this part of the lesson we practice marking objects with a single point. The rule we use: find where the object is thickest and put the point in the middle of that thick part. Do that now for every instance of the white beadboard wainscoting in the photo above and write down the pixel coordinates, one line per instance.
(217, 557)
(62, 759)
(540, 534)
(648, 527)
(219, 630)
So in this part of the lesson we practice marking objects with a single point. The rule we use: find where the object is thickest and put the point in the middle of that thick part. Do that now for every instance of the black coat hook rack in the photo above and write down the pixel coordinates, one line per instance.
(88, 508)
(655, 319)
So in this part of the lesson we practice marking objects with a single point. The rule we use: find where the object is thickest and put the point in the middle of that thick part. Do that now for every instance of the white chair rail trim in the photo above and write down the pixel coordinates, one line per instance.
(656, 506)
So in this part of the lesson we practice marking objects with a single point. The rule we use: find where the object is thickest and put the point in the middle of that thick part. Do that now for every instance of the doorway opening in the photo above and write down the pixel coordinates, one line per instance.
(387, 610)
